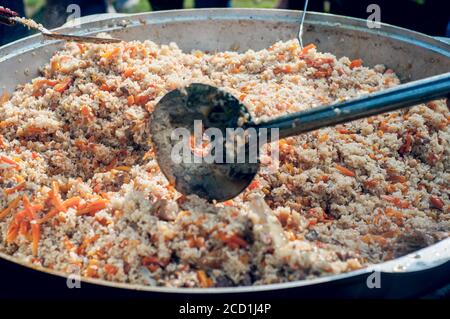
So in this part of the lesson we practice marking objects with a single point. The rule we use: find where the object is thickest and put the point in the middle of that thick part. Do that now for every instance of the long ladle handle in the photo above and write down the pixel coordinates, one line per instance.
(392, 99)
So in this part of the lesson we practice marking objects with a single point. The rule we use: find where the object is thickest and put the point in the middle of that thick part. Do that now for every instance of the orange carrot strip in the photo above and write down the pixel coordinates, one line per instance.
(355, 63)
(345, 171)
(128, 72)
(233, 241)
(12, 233)
(16, 188)
(86, 113)
(24, 228)
(2, 142)
(111, 54)
(36, 236)
(111, 269)
(205, 282)
(396, 201)
(35, 228)
(254, 184)
(93, 207)
(71, 202)
(10, 207)
(307, 48)
(9, 161)
(62, 86)
(397, 179)
(55, 197)
(436, 202)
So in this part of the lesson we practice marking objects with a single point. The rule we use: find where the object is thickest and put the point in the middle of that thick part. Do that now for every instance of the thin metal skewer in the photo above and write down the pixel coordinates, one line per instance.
(300, 31)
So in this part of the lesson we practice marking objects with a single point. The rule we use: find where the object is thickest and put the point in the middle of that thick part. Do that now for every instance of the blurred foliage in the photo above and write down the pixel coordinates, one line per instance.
(34, 5)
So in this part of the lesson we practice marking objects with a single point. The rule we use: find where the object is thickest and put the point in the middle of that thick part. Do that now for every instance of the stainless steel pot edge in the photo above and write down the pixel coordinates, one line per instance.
(421, 260)
(109, 23)
(424, 259)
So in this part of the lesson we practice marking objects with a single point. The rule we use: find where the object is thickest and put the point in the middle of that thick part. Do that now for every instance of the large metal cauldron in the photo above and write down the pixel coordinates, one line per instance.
(410, 54)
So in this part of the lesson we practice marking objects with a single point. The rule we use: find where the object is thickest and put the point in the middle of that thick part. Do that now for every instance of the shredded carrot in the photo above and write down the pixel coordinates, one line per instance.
(62, 86)
(111, 54)
(254, 184)
(130, 100)
(407, 146)
(35, 228)
(81, 47)
(323, 138)
(320, 63)
(39, 84)
(71, 202)
(396, 201)
(12, 232)
(122, 168)
(371, 239)
(307, 48)
(9, 161)
(344, 131)
(323, 73)
(107, 88)
(86, 113)
(228, 203)
(81, 145)
(356, 63)
(128, 72)
(55, 197)
(397, 179)
(436, 202)
(322, 178)
(285, 70)
(141, 99)
(371, 183)
(32, 130)
(233, 241)
(54, 65)
(16, 188)
(10, 208)
(24, 228)
(345, 171)
(2, 142)
(110, 269)
(93, 207)
(280, 57)
(205, 282)
(150, 260)
(4, 124)
(395, 215)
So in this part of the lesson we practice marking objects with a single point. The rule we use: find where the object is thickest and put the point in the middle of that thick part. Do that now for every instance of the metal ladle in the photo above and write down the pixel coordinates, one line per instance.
(219, 109)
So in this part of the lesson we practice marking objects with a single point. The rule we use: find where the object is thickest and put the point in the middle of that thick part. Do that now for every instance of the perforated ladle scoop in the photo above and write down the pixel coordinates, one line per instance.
(218, 109)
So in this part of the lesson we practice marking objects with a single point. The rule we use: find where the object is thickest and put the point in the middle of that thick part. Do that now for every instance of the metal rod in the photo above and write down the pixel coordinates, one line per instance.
(302, 21)
(405, 95)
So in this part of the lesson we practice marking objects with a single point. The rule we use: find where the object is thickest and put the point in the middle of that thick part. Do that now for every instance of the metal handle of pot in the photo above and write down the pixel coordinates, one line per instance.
(402, 96)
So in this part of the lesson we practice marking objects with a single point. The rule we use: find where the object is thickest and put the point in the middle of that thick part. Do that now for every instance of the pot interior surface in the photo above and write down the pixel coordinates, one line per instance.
(410, 54)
